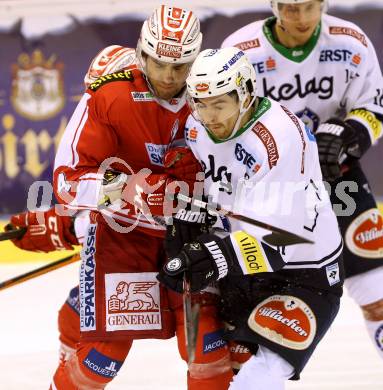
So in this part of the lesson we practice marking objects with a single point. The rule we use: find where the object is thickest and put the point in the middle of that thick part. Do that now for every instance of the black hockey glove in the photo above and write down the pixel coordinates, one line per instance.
(338, 140)
(186, 226)
(207, 259)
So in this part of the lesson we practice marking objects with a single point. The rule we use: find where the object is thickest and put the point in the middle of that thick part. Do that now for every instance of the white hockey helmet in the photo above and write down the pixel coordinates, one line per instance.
(275, 9)
(170, 35)
(109, 60)
(221, 71)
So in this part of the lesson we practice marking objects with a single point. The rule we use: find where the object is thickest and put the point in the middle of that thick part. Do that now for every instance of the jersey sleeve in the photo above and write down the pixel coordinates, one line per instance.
(88, 140)
(239, 35)
(229, 41)
(275, 195)
(364, 96)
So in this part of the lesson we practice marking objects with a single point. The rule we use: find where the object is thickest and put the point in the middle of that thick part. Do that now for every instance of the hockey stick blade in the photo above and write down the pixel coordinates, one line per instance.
(278, 236)
(12, 234)
(39, 271)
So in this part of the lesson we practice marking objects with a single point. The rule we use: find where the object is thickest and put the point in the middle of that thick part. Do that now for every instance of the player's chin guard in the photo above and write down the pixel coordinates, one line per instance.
(219, 72)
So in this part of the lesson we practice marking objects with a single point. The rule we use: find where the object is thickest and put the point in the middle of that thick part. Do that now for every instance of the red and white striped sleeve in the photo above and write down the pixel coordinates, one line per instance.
(87, 141)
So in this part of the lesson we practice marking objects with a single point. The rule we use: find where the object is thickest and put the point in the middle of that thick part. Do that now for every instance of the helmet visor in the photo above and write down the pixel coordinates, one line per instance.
(306, 12)
(218, 114)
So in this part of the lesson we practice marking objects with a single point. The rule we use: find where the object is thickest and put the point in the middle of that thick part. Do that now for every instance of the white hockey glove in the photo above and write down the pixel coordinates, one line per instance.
(142, 192)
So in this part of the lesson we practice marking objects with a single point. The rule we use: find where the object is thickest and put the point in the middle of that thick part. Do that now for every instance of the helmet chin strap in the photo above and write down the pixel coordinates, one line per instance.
(142, 66)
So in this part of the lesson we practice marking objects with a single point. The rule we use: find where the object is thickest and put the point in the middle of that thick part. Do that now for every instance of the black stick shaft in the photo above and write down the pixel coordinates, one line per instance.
(12, 234)
(281, 237)
(39, 271)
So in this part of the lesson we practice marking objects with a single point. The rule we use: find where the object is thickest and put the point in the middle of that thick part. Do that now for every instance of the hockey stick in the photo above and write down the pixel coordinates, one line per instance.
(277, 237)
(12, 234)
(39, 271)
(191, 317)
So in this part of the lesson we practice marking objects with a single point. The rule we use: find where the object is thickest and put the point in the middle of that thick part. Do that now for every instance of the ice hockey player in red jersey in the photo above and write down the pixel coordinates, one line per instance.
(111, 161)
(50, 230)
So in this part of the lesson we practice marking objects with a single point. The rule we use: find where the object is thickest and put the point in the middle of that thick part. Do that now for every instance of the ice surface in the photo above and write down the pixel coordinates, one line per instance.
(345, 359)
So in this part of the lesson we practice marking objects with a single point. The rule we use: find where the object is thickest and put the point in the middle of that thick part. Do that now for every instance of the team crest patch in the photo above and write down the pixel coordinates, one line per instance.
(132, 301)
(364, 236)
(285, 320)
(124, 75)
(349, 31)
(247, 45)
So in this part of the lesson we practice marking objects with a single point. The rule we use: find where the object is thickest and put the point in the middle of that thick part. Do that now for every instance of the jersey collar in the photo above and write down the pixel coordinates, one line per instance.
(263, 106)
(296, 54)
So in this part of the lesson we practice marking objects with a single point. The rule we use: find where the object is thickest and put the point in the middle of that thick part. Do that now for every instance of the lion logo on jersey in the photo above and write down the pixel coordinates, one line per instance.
(133, 296)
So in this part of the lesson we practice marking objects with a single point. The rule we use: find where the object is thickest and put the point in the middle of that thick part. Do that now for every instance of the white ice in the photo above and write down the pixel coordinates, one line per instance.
(344, 360)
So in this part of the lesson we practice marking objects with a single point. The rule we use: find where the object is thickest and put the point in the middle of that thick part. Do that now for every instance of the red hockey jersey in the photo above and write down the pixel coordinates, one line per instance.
(119, 118)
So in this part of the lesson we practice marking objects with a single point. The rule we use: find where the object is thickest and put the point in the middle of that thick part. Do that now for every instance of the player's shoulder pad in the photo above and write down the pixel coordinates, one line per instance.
(123, 75)
(246, 37)
(280, 131)
(345, 30)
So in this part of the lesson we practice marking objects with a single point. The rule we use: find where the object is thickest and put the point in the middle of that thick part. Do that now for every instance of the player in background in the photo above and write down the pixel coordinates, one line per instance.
(278, 300)
(326, 71)
(131, 120)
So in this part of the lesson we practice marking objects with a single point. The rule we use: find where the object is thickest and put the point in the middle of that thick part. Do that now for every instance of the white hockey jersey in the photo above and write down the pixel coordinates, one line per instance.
(270, 172)
(335, 74)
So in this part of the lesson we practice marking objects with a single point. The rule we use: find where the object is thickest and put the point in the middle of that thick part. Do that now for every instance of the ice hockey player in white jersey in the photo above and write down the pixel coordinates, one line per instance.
(326, 71)
(261, 161)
